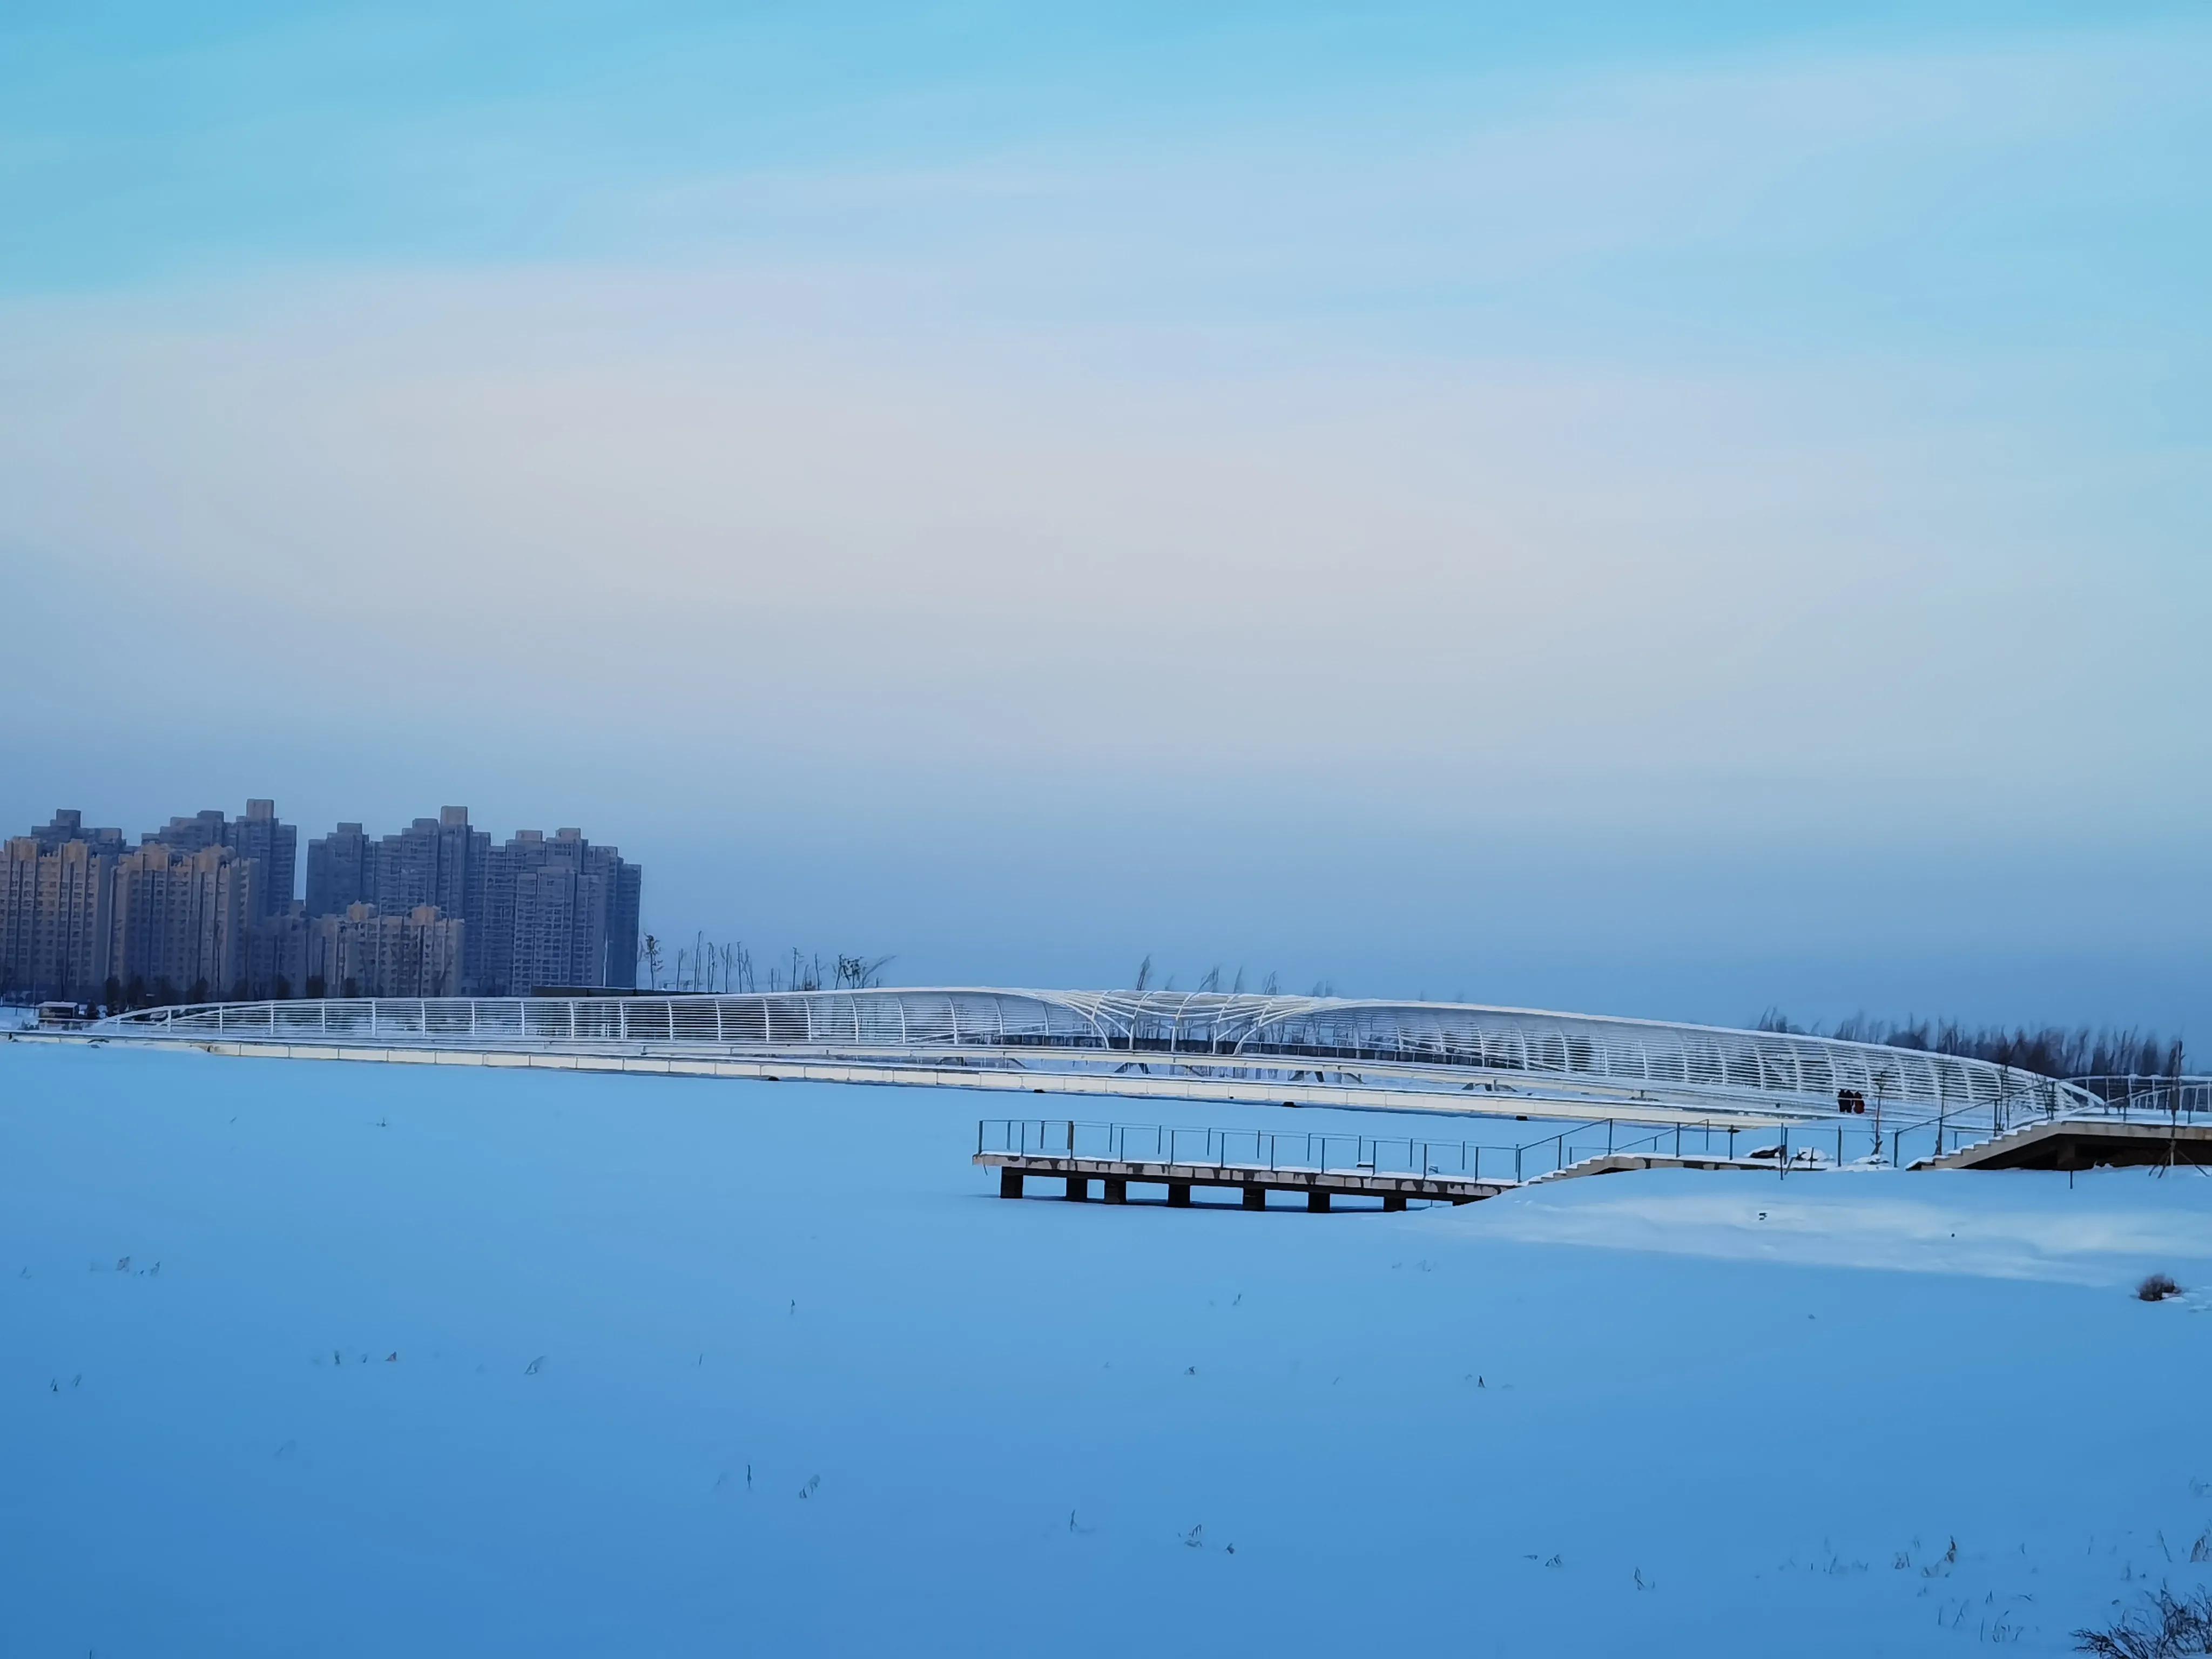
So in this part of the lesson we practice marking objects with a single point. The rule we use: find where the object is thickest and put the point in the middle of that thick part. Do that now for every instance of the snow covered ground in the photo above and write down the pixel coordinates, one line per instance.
(357, 1359)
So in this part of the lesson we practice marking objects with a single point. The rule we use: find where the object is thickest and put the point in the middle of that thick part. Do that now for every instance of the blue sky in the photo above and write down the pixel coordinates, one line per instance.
(1660, 510)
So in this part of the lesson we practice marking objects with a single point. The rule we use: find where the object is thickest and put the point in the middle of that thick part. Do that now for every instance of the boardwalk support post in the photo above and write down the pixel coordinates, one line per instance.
(1079, 1187)
(1255, 1198)
(1317, 1202)
(1394, 1200)
(1010, 1183)
(1179, 1194)
(1115, 1189)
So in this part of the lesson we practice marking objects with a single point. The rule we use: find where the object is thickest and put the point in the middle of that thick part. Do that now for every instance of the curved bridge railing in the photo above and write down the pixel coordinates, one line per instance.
(2179, 1094)
(1422, 1045)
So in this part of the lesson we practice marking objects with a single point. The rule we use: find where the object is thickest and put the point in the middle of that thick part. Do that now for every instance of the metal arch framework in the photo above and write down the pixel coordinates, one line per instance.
(1451, 1049)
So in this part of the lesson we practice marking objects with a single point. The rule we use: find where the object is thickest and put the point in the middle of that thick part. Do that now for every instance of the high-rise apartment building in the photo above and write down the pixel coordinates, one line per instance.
(341, 871)
(55, 892)
(539, 910)
(276, 949)
(180, 920)
(440, 861)
(19, 918)
(259, 835)
(68, 826)
(622, 911)
(559, 911)
(362, 953)
(203, 909)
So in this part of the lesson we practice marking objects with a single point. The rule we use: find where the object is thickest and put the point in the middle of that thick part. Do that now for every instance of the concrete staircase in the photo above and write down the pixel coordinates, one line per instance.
(2081, 1143)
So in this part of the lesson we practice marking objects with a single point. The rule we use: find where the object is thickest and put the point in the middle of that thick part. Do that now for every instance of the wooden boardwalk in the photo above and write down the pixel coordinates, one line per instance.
(1299, 1164)
(1320, 1185)
(1076, 1157)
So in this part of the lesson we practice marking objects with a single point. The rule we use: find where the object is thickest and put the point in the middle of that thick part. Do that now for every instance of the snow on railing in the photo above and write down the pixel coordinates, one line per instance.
(1515, 1051)
(1780, 1146)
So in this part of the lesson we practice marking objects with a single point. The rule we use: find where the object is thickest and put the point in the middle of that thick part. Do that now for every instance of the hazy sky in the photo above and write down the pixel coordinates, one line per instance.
(1650, 509)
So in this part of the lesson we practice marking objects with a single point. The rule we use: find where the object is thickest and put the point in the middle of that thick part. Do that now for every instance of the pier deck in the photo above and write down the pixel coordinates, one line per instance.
(1319, 1185)
(1322, 1167)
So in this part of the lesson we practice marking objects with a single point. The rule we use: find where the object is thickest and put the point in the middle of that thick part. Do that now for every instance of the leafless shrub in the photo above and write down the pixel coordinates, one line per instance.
(2156, 1288)
(2169, 1627)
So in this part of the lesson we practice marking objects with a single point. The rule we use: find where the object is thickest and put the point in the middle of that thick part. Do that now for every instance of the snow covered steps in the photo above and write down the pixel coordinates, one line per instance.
(2082, 1143)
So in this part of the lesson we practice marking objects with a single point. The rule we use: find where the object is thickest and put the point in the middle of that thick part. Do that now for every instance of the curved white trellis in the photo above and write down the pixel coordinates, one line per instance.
(1420, 1045)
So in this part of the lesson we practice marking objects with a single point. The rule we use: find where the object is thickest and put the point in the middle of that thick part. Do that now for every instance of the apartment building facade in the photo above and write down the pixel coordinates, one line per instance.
(180, 920)
(204, 908)
(366, 953)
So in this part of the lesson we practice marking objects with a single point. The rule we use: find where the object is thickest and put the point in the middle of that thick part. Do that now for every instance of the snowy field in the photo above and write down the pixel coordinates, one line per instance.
(355, 1359)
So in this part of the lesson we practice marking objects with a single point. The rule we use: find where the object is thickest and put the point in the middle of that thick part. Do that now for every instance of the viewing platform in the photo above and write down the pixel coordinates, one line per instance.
(1324, 1167)
(1397, 1171)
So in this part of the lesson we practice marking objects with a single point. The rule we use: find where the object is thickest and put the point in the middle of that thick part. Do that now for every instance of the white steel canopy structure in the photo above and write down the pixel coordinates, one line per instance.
(1443, 1056)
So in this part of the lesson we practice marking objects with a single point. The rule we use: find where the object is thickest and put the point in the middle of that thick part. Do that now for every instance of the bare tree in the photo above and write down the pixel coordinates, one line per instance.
(2047, 1051)
(705, 967)
(1144, 974)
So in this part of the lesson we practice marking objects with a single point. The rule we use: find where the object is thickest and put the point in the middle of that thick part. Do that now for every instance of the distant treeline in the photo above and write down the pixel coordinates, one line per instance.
(2050, 1050)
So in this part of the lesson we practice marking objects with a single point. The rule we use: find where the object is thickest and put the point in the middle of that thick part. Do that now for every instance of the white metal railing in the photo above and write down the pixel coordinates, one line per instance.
(1264, 1151)
(1356, 1043)
(2169, 1094)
